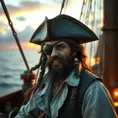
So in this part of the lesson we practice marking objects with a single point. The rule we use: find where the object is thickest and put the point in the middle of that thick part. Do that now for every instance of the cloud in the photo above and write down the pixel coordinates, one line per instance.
(25, 15)
(23, 35)
(2, 24)
(3, 28)
(24, 6)
(11, 9)
(26, 34)
(30, 6)
(21, 18)
(7, 41)
(7, 37)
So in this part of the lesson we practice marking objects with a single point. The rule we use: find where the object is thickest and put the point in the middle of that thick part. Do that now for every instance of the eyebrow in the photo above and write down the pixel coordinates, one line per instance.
(59, 43)
(53, 43)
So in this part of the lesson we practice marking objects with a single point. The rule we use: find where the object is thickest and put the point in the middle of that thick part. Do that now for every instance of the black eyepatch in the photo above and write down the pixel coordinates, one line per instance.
(47, 48)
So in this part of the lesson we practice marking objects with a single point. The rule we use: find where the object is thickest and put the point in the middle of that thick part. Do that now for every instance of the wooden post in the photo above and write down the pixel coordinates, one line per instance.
(110, 35)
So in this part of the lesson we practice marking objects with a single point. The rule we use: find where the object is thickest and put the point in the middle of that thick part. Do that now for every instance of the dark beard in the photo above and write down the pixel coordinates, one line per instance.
(61, 73)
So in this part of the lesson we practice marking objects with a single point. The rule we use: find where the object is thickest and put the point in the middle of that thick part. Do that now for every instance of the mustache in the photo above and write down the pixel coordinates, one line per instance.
(56, 58)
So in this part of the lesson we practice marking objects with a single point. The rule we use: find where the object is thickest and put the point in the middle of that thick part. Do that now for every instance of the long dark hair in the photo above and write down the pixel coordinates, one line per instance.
(81, 55)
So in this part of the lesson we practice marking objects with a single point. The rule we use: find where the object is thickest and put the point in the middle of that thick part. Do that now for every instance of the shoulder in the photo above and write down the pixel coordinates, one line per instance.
(97, 102)
(96, 94)
(87, 79)
(97, 86)
(87, 76)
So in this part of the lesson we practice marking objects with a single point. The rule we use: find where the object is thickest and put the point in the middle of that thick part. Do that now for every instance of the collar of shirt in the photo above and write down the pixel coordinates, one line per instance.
(71, 80)
(42, 97)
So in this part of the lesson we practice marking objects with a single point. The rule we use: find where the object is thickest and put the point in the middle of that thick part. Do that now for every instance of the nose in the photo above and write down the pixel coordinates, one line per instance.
(54, 52)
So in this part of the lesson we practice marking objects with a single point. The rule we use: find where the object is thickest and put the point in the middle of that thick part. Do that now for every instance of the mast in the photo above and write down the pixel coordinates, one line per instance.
(110, 36)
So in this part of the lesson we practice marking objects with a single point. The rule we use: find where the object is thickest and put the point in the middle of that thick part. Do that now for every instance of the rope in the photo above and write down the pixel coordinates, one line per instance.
(85, 11)
(101, 68)
(95, 8)
(81, 13)
(66, 4)
(87, 18)
(88, 12)
(62, 6)
(14, 33)
(93, 15)
(93, 24)
(92, 27)
(97, 17)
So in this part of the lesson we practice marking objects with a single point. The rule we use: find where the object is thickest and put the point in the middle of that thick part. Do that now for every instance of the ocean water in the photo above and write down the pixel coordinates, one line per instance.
(12, 66)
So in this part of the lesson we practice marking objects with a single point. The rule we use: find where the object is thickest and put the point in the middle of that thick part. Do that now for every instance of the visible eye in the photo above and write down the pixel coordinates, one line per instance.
(60, 47)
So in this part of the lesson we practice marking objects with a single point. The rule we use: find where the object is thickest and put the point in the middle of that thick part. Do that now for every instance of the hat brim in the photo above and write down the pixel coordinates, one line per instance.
(63, 27)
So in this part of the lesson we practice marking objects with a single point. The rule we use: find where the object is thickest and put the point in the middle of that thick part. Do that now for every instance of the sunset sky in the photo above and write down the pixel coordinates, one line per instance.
(27, 15)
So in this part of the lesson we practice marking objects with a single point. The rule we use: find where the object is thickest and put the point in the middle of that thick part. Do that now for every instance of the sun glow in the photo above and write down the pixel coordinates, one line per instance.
(24, 45)
(30, 45)
(93, 61)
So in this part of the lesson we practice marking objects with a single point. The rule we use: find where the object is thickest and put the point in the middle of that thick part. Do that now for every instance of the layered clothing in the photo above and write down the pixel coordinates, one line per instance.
(96, 103)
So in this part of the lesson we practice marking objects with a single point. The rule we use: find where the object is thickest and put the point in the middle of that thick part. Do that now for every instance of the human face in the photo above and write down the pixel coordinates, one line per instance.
(60, 55)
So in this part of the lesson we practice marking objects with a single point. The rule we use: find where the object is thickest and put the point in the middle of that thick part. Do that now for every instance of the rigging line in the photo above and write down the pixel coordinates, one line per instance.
(14, 33)
(94, 45)
(101, 52)
(81, 13)
(95, 49)
(93, 16)
(85, 11)
(93, 23)
(66, 5)
(87, 21)
(100, 6)
(87, 15)
(62, 6)
(89, 12)
(97, 17)
(91, 44)
(97, 69)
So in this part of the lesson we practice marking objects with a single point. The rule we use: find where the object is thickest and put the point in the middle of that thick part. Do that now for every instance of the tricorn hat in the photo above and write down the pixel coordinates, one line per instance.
(63, 27)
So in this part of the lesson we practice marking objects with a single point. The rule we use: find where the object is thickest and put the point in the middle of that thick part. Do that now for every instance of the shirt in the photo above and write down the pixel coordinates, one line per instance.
(97, 101)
